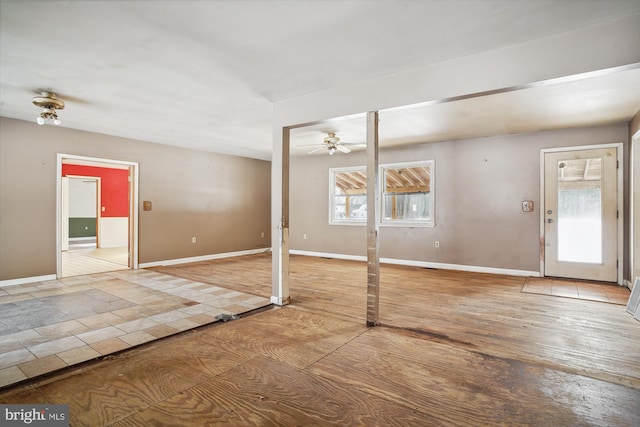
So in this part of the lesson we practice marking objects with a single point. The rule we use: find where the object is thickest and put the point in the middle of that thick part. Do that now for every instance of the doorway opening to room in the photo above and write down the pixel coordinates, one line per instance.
(581, 214)
(96, 215)
(635, 207)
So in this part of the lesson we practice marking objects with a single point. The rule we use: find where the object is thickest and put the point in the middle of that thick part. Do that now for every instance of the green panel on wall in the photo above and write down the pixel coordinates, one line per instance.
(82, 227)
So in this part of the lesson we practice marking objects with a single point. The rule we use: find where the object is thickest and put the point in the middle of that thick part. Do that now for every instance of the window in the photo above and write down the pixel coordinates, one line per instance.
(407, 196)
(348, 195)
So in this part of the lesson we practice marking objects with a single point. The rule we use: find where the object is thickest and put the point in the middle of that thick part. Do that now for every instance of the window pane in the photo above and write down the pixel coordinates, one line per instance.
(414, 206)
(407, 207)
(351, 182)
(415, 179)
(339, 207)
(358, 207)
(580, 211)
(348, 195)
(407, 193)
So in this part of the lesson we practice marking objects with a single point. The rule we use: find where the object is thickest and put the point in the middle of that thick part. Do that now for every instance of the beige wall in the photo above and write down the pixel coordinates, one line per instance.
(634, 125)
(222, 200)
(480, 185)
(634, 128)
(604, 45)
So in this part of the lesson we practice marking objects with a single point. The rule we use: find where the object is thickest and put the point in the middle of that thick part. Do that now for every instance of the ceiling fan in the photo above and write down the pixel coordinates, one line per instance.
(50, 102)
(332, 143)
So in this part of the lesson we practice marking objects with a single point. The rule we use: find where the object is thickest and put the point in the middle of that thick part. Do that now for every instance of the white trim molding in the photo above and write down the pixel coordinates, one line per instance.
(24, 280)
(619, 146)
(133, 190)
(423, 264)
(329, 255)
(203, 258)
(278, 301)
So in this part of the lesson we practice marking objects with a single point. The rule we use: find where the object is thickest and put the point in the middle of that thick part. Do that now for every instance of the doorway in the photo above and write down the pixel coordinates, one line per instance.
(80, 210)
(635, 207)
(581, 227)
(96, 215)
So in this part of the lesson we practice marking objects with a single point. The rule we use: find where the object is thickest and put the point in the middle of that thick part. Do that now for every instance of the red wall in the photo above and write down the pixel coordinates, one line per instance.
(114, 187)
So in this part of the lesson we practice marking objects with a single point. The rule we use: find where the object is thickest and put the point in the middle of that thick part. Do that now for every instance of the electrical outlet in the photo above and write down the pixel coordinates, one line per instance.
(437, 244)
(193, 239)
(262, 234)
(304, 236)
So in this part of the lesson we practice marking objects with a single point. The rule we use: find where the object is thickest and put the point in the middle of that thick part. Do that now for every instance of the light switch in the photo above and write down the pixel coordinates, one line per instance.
(146, 205)
(527, 206)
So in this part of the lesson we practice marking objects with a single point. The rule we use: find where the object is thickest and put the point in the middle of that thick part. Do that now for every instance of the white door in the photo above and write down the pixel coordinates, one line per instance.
(580, 214)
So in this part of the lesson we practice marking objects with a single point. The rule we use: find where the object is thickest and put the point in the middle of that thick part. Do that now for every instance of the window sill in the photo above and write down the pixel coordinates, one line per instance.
(350, 223)
(407, 224)
(386, 224)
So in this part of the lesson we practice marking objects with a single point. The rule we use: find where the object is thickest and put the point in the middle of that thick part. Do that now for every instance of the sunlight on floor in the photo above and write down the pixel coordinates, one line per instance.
(77, 262)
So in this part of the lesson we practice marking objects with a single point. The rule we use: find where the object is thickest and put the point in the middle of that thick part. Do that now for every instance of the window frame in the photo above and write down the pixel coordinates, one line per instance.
(431, 222)
(381, 176)
(332, 196)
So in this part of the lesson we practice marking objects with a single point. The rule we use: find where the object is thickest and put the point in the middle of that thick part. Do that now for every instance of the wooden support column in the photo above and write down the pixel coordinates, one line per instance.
(280, 218)
(373, 214)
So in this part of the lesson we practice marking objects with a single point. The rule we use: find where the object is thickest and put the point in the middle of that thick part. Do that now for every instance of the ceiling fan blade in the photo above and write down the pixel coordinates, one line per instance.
(343, 148)
(316, 150)
(356, 144)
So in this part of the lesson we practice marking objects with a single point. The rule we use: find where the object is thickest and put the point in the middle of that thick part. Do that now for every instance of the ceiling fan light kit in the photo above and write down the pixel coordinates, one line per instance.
(49, 104)
(332, 143)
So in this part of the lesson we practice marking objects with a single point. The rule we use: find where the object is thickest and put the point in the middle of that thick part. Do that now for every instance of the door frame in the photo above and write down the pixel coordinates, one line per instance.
(634, 203)
(98, 183)
(619, 198)
(133, 203)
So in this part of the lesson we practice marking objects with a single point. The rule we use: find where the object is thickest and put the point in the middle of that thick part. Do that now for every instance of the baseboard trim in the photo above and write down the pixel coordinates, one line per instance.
(328, 255)
(424, 264)
(279, 301)
(202, 258)
(24, 280)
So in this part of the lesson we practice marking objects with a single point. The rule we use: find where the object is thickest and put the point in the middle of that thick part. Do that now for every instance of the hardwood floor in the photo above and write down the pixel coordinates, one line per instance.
(453, 348)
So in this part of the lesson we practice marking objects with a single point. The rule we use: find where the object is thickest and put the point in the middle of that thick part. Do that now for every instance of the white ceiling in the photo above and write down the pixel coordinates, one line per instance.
(609, 97)
(206, 74)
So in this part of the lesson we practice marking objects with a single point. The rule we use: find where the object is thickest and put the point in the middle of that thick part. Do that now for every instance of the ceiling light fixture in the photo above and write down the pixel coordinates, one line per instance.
(49, 104)
(332, 149)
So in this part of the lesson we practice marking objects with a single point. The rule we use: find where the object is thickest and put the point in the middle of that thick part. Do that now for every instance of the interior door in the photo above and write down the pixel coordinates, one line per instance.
(580, 214)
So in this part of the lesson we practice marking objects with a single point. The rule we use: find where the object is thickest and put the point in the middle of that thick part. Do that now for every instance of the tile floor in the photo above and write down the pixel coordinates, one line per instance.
(577, 289)
(45, 326)
(81, 261)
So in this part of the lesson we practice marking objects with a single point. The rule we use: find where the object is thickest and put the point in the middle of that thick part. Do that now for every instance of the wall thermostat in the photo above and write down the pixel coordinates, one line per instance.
(527, 206)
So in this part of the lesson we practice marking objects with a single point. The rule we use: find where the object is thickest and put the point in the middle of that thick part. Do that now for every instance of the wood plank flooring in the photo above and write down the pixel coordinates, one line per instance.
(454, 348)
